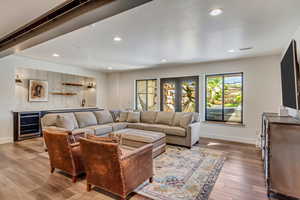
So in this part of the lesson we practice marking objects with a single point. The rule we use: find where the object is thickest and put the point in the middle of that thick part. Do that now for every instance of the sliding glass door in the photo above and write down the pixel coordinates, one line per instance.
(180, 94)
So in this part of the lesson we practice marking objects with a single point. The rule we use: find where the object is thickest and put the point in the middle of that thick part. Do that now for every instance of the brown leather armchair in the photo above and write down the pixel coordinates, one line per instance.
(64, 155)
(110, 170)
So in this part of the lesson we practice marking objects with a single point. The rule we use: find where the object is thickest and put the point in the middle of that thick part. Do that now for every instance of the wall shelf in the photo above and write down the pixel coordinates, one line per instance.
(64, 93)
(73, 84)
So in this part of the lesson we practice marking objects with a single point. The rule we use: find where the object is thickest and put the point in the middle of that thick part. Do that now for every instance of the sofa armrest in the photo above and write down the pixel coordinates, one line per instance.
(193, 133)
(137, 167)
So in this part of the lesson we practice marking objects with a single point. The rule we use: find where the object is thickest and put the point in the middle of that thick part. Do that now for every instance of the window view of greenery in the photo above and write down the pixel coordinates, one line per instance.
(224, 97)
(146, 95)
(188, 100)
(179, 94)
(169, 93)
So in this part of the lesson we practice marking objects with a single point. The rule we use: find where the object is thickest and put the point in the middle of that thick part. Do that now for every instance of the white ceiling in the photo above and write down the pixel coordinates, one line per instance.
(180, 31)
(16, 13)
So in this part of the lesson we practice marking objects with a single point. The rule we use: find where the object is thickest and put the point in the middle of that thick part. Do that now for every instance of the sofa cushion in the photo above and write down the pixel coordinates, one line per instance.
(123, 116)
(133, 117)
(65, 122)
(101, 129)
(148, 117)
(140, 126)
(186, 119)
(164, 118)
(177, 118)
(85, 119)
(83, 130)
(72, 116)
(174, 130)
(118, 125)
(154, 127)
(103, 117)
(49, 120)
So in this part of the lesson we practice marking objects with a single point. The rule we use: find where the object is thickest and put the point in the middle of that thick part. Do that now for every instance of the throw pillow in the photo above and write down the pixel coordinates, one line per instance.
(103, 117)
(177, 118)
(148, 117)
(133, 117)
(85, 119)
(123, 116)
(65, 122)
(164, 118)
(186, 119)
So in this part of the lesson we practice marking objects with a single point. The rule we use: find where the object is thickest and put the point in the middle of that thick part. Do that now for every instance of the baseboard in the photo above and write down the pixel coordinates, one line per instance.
(6, 140)
(231, 138)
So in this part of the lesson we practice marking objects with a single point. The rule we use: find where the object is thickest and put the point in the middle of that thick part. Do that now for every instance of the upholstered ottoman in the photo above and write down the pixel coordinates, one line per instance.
(135, 138)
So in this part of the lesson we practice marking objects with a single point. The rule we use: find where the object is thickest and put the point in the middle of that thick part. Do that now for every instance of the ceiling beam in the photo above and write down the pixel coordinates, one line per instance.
(65, 18)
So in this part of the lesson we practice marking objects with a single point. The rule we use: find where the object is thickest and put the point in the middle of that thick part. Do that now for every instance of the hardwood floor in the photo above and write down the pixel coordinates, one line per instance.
(25, 175)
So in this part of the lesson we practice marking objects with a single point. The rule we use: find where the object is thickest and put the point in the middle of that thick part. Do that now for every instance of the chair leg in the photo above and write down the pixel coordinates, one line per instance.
(52, 170)
(88, 187)
(151, 179)
(74, 179)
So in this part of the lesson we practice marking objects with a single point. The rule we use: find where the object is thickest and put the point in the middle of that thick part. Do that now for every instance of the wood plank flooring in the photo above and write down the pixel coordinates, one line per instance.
(25, 175)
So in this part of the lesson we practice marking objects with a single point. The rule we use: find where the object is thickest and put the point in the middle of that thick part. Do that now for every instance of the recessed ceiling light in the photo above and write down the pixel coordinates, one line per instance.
(117, 39)
(109, 68)
(55, 55)
(93, 25)
(164, 60)
(231, 51)
(216, 12)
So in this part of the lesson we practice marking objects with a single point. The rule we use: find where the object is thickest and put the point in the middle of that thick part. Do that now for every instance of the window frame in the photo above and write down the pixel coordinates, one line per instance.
(136, 91)
(178, 96)
(242, 98)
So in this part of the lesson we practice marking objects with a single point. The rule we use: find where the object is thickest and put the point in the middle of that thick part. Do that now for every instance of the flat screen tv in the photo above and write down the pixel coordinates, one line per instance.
(290, 77)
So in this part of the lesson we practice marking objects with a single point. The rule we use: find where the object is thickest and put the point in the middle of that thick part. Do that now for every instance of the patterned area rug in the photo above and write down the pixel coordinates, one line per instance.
(182, 173)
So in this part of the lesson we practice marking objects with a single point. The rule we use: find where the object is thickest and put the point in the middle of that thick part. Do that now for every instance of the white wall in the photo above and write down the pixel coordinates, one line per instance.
(55, 81)
(262, 91)
(9, 64)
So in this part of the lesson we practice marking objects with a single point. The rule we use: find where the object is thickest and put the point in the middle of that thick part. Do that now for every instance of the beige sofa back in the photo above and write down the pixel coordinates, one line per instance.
(166, 118)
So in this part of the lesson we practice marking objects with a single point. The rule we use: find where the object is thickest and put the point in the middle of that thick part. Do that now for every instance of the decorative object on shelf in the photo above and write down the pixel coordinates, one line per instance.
(18, 78)
(38, 91)
(83, 102)
(64, 93)
(91, 85)
(73, 84)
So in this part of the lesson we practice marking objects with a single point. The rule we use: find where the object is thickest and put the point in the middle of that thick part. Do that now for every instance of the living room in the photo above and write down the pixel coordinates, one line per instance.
(192, 81)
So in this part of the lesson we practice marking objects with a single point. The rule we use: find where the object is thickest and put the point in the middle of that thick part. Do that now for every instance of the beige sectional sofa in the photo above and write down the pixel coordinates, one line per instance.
(135, 127)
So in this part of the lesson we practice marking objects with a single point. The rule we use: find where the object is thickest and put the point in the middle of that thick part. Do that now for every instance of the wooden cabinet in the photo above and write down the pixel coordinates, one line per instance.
(280, 152)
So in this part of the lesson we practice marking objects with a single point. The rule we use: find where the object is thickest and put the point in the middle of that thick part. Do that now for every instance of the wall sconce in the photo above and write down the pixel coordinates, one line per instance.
(91, 85)
(18, 79)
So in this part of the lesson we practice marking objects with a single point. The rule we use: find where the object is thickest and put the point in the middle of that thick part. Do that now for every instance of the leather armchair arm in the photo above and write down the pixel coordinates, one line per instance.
(137, 167)
(77, 144)
(138, 152)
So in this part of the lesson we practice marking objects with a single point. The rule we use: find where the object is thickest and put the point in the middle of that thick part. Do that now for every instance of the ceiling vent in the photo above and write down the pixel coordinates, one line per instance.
(246, 48)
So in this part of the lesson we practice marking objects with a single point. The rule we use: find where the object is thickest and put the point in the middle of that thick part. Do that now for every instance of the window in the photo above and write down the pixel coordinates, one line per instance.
(146, 95)
(180, 94)
(224, 98)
